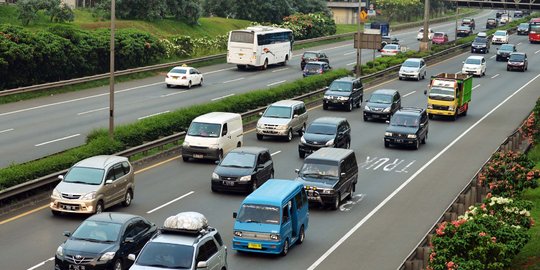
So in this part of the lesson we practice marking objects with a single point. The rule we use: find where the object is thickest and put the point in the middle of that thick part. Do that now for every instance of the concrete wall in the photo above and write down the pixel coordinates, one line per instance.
(344, 15)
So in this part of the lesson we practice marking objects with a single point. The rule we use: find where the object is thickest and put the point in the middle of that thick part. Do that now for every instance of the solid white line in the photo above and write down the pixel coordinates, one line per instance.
(163, 205)
(409, 93)
(6, 130)
(234, 80)
(219, 70)
(218, 98)
(275, 153)
(476, 86)
(41, 264)
(353, 52)
(152, 115)
(91, 111)
(274, 83)
(64, 138)
(387, 199)
(537, 52)
(350, 64)
(493, 56)
(77, 99)
(172, 94)
(495, 76)
(278, 70)
(519, 43)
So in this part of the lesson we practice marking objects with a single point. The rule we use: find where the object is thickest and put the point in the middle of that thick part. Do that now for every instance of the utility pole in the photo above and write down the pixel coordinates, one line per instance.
(424, 45)
(111, 78)
(360, 24)
(457, 18)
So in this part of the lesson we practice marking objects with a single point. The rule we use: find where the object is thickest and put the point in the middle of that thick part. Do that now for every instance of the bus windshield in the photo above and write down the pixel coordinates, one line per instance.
(242, 37)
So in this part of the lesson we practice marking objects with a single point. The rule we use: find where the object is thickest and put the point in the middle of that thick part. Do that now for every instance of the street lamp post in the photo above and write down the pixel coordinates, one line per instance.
(457, 18)
(111, 78)
(424, 45)
(358, 49)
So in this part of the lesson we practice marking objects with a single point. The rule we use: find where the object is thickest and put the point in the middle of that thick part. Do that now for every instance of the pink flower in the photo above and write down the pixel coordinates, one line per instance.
(488, 195)
(483, 206)
(482, 234)
(450, 265)
(493, 239)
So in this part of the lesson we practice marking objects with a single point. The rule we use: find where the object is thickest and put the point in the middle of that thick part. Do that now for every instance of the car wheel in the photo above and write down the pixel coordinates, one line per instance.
(200, 83)
(253, 185)
(350, 108)
(302, 130)
(289, 135)
(260, 137)
(400, 78)
(484, 73)
(185, 159)
(301, 154)
(386, 144)
(99, 208)
(417, 144)
(168, 86)
(56, 213)
(430, 116)
(213, 188)
(220, 155)
(365, 118)
(325, 106)
(302, 235)
(425, 139)
(127, 198)
(189, 85)
(507, 69)
(118, 265)
(285, 249)
(337, 200)
(348, 145)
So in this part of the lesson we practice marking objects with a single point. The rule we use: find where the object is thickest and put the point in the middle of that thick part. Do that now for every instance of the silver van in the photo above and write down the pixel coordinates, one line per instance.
(283, 118)
(93, 184)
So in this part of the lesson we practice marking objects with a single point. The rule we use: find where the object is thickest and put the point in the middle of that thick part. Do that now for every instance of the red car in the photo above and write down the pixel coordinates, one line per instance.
(439, 38)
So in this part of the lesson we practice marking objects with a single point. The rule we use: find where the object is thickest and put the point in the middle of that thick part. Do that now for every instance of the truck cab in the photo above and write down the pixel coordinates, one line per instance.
(449, 95)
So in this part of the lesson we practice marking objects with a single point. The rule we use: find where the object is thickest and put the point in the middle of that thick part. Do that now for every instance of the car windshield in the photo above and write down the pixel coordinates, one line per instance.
(310, 55)
(441, 93)
(491, 20)
(238, 160)
(404, 120)
(178, 70)
(411, 63)
(480, 40)
(97, 231)
(258, 213)
(380, 98)
(517, 57)
(323, 129)
(506, 47)
(535, 28)
(473, 61)
(466, 21)
(523, 25)
(313, 67)
(204, 130)
(463, 28)
(166, 255)
(319, 171)
(84, 175)
(390, 47)
(278, 112)
(340, 86)
(439, 35)
(500, 33)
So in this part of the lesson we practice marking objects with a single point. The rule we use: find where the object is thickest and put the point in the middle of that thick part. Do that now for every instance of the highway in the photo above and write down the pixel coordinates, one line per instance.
(35, 128)
(400, 193)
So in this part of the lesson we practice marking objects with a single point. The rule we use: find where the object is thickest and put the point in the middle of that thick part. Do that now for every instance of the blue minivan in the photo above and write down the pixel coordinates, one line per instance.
(272, 218)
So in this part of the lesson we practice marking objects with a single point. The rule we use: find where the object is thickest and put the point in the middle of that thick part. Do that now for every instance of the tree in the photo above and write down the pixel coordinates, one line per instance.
(189, 10)
(310, 6)
(58, 11)
(272, 11)
(220, 8)
(28, 10)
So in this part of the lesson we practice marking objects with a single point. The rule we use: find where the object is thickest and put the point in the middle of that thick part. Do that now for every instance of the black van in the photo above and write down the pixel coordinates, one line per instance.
(329, 176)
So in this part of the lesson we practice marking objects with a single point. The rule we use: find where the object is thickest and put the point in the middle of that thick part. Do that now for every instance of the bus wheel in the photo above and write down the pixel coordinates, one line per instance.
(241, 67)
(265, 66)
(284, 63)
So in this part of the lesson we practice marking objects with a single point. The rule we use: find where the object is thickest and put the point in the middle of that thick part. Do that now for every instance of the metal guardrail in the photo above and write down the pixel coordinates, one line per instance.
(45, 86)
(370, 79)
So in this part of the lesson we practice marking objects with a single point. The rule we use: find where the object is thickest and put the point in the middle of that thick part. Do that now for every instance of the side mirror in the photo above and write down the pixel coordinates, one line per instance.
(217, 162)
(234, 214)
(67, 233)
(203, 264)
(297, 170)
(295, 116)
(61, 177)
(342, 174)
(387, 121)
(129, 240)
(108, 181)
(131, 257)
(260, 166)
(326, 88)
(260, 114)
(463, 62)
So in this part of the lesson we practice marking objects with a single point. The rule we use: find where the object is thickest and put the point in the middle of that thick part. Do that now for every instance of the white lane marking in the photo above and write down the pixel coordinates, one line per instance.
(275, 153)
(91, 111)
(77, 99)
(537, 52)
(6, 130)
(387, 199)
(495, 76)
(41, 263)
(234, 80)
(163, 205)
(347, 206)
(493, 56)
(171, 94)
(219, 70)
(353, 52)
(350, 64)
(274, 83)
(278, 70)
(154, 114)
(60, 139)
(519, 43)
(218, 98)
(476, 86)
(408, 94)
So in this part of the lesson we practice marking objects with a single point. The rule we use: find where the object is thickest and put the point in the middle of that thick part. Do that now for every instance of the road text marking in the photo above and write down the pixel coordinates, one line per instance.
(91, 111)
(218, 98)
(163, 205)
(60, 139)
(143, 117)
(234, 80)
(274, 83)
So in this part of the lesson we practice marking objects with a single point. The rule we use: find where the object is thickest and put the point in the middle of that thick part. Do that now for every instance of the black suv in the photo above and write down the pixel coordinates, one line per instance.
(492, 23)
(388, 40)
(344, 92)
(408, 126)
(325, 132)
(313, 56)
(382, 104)
(481, 44)
(243, 169)
(504, 52)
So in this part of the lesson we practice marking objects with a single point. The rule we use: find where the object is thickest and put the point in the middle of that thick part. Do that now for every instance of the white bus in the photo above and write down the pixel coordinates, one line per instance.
(259, 46)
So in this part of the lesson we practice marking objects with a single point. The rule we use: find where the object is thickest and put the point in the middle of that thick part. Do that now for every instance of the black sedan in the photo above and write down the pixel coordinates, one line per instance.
(504, 52)
(523, 29)
(464, 31)
(517, 60)
(243, 169)
(103, 241)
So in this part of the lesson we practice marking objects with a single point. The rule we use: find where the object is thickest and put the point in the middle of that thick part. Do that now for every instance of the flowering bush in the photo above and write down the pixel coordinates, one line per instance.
(508, 174)
(511, 211)
(183, 46)
(530, 127)
(312, 25)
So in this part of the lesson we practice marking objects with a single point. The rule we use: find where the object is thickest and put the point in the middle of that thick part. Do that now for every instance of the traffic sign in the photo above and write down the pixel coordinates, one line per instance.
(363, 16)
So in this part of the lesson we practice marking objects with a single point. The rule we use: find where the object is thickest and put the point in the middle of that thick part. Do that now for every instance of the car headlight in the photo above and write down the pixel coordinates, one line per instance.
(89, 196)
(274, 236)
(366, 108)
(411, 136)
(238, 233)
(56, 194)
(327, 97)
(450, 108)
(386, 109)
(245, 178)
(430, 106)
(214, 146)
(302, 139)
(330, 142)
(185, 143)
(259, 125)
(215, 176)
(389, 134)
(281, 127)
(60, 251)
(327, 191)
(107, 256)
(343, 98)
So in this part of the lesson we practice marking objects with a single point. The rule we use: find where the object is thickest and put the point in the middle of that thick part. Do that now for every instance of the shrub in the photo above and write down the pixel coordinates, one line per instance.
(312, 25)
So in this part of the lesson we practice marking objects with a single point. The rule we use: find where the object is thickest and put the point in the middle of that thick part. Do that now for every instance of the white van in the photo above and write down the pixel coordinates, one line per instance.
(212, 135)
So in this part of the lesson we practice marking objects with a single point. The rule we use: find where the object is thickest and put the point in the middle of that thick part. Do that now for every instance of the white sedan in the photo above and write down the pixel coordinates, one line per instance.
(183, 76)
(500, 37)
(390, 50)
(474, 65)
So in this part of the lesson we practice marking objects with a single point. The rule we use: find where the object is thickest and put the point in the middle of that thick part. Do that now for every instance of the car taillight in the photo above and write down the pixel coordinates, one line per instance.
(320, 71)
(184, 77)
(383, 50)
(167, 76)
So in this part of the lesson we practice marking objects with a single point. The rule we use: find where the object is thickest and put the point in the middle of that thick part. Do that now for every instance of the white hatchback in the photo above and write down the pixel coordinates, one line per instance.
(184, 76)
(474, 65)
(420, 34)
(413, 68)
(500, 37)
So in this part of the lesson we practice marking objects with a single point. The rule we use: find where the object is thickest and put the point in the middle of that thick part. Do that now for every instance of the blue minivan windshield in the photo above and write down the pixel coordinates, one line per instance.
(258, 213)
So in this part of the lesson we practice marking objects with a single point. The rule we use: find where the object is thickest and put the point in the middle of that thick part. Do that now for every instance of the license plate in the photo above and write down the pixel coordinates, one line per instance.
(198, 155)
(399, 140)
(69, 207)
(241, 54)
(175, 77)
(76, 267)
(312, 198)
(375, 116)
(254, 246)
(228, 183)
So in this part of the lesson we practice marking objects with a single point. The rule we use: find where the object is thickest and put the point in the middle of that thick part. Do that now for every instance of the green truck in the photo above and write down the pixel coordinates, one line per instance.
(449, 94)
